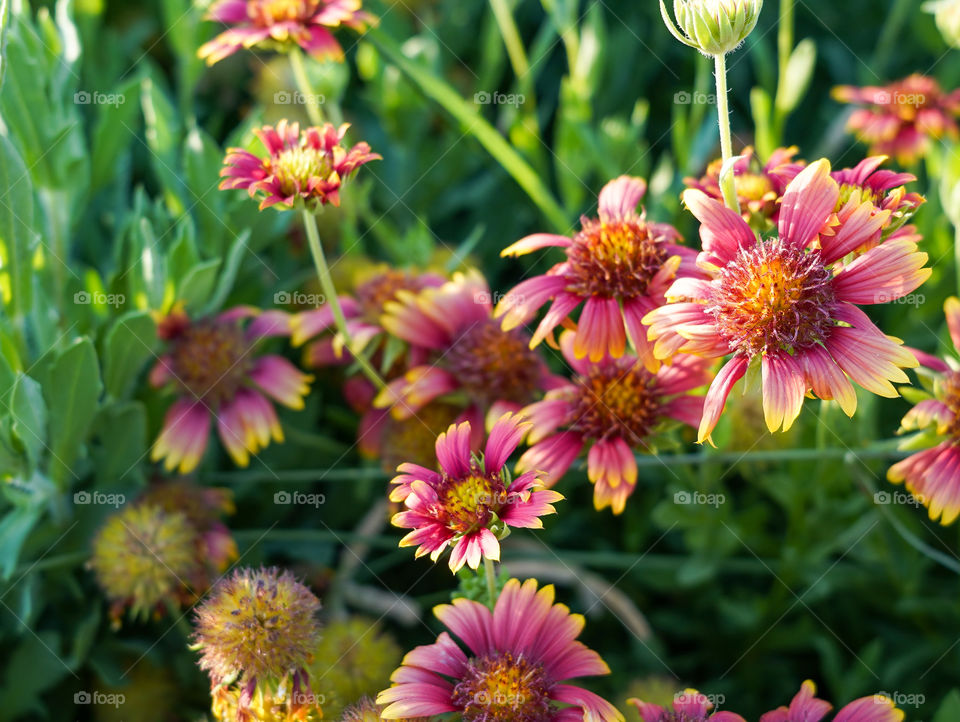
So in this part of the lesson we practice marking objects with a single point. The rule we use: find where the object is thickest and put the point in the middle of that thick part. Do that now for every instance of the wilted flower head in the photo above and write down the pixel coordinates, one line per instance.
(805, 707)
(787, 305)
(144, 558)
(714, 27)
(947, 15)
(301, 169)
(933, 474)
(613, 407)
(902, 118)
(688, 706)
(618, 266)
(282, 25)
(259, 625)
(470, 359)
(513, 669)
(759, 186)
(473, 499)
(213, 366)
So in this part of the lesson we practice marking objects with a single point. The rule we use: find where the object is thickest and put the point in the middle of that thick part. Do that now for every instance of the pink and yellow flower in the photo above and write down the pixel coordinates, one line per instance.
(933, 474)
(614, 407)
(472, 500)
(472, 361)
(282, 25)
(213, 367)
(805, 707)
(688, 706)
(759, 186)
(901, 119)
(618, 266)
(787, 306)
(513, 667)
(300, 170)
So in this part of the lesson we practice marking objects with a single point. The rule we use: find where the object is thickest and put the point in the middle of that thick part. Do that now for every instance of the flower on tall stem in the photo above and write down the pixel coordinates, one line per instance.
(618, 266)
(760, 186)
(282, 25)
(714, 27)
(932, 474)
(301, 169)
(472, 500)
(613, 407)
(806, 707)
(787, 306)
(472, 362)
(688, 706)
(258, 628)
(901, 119)
(513, 666)
(213, 366)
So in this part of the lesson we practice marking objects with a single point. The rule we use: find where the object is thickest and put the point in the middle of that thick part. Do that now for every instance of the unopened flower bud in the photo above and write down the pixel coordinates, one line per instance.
(947, 15)
(714, 27)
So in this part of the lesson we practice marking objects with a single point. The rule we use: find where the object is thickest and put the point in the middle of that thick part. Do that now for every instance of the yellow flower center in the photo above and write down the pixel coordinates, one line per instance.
(614, 259)
(753, 186)
(270, 12)
(847, 191)
(470, 502)
(211, 360)
(773, 297)
(950, 395)
(295, 167)
(618, 399)
(383, 287)
(504, 688)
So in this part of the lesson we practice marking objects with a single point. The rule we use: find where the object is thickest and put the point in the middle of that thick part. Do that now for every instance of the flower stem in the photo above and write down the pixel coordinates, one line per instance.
(785, 37)
(491, 573)
(515, 49)
(306, 89)
(727, 184)
(330, 291)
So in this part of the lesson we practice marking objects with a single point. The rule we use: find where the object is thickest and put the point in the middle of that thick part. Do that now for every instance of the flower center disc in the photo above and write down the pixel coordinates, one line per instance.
(773, 297)
(951, 398)
(503, 688)
(210, 360)
(753, 186)
(616, 400)
(271, 12)
(495, 365)
(468, 503)
(294, 168)
(378, 290)
(614, 259)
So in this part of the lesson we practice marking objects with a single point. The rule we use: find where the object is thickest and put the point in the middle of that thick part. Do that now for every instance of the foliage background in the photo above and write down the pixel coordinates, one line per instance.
(798, 574)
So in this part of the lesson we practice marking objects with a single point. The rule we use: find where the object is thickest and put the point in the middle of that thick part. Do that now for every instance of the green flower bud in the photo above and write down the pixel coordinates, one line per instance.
(947, 15)
(714, 27)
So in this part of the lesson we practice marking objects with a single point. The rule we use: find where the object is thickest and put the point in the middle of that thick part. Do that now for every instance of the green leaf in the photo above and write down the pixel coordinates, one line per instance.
(29, 415)
(949, 710)
(228, 275)
(798, 75)
(14, 528)
(72, 392)
(4, 23)
(33, 667)
(113, 133)
(121, 430)
(202, 161)
(127, 346)
(761, 106)
(17, 233)
(195, 287)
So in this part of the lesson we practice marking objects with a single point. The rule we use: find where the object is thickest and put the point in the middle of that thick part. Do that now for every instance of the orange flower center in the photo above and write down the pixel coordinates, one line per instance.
(272, 12)
(614, 259)
(469, 503)
(211, 360)
(378, 290)
(503, 688)
(753, 186)
(295, 167)
(773, 297)
(413, 439)
(616, 400)
(495, 365)
(951, 398)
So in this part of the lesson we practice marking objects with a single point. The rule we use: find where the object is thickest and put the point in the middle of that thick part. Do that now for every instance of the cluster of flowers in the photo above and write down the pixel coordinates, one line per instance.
(771, 294)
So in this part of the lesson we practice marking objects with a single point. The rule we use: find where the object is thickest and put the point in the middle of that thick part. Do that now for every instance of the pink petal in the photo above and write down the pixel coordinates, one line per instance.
(717, 394)
(619, 198)
(807, 204)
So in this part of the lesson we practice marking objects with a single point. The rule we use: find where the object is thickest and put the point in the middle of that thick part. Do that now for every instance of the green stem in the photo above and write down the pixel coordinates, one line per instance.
(515, 49)
(727, 183)
(889, 35)
(306, 89)
(785, 38)
(330, 290)
(956, 252)
(734, 457)
(491, 574)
